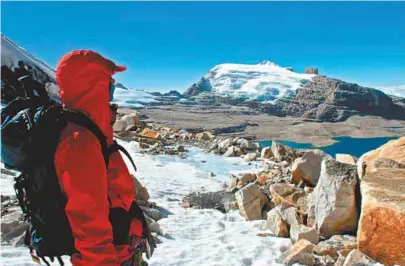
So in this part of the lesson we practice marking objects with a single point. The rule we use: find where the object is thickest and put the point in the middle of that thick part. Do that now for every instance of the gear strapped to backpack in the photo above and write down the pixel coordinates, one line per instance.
(30, 131)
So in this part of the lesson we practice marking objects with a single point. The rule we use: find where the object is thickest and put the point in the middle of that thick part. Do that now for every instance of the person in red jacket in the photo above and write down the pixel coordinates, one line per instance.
(84, 78)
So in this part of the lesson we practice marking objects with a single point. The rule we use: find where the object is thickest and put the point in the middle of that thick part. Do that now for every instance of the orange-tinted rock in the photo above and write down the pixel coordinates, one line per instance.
(150, 133)
(381, 233)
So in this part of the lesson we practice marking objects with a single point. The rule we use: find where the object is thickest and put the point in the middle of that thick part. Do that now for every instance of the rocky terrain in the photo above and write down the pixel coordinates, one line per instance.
(250, 123)
(322, 99)
(336, 211)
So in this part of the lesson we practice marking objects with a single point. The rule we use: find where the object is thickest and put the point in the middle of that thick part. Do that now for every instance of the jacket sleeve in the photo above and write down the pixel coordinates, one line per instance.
(84, 180)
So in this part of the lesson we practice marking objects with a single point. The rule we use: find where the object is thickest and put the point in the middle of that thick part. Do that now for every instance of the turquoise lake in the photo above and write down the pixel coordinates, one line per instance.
(348, 145)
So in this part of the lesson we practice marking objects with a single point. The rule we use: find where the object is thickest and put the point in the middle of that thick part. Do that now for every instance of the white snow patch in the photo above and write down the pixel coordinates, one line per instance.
(192, 237)
(393, 90)
(133, 98)
(264, 82)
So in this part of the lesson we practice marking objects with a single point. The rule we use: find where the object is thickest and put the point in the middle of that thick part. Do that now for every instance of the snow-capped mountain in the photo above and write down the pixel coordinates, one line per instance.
(398, 91)
(264, 82)
(133, 98)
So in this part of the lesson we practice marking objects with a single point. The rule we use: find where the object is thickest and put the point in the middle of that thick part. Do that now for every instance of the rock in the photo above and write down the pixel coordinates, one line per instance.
(332, 205)
(233, 182)
(246, 178)
(289, 214)
(180, 148)
(150, 133)
(266, 153)
(284, 164)
(262, 179)
(155, 214)
(301, 252)
(120, 125)
(393, 149)
(132, 121)
(381, 233)
(357, 258)
(299, 231)
(332, 246)
(280, 191)
(233, 152)
(204, 136)
(308, 167)
(154, 226)
(225, 144)
(276, 224)
(19, 241)
(308, 189)
(13, 225)
(250, 157)
(141, 193)
(251, 201)
(247, 144)
(218, 200)
(278, 149)
(346, 158)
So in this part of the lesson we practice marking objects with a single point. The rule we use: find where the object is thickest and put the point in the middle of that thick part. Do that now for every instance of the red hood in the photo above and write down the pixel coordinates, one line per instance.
(84, 78)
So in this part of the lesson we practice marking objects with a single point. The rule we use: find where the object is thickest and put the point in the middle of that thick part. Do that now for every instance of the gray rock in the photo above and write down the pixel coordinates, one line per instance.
(219, 200)
(332, 205)
(387, 163)
(12, 226)
(155, 214)
(301, 253)
(233, 151)
(247, 144)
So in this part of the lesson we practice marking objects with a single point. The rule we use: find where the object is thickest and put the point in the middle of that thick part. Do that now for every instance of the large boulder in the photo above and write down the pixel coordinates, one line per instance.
(13, 226)
(251, 201)
(276, 224)
(225, 144)
(346, 158)
(381, 233)
(289, 195)
(301, 253)
(332, 205)
(308, 167)
(393, 149)
(120, 126)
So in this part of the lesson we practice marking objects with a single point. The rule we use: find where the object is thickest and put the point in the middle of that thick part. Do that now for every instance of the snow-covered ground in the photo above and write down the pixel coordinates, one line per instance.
(393, 90)
(192, 237)
(264, 82)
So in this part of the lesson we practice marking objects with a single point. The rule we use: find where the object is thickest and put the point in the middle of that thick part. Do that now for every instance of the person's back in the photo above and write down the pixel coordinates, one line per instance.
(84, 79)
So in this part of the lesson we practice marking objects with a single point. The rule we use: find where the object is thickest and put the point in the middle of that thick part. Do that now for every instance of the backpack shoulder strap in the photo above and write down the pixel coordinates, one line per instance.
(83, 120)
(116, 147)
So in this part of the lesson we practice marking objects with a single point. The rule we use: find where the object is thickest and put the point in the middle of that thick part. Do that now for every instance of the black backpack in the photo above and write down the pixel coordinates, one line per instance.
(30, 133)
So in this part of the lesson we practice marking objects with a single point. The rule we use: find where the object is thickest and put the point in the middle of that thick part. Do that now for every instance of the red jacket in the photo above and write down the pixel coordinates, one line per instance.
(84, 78)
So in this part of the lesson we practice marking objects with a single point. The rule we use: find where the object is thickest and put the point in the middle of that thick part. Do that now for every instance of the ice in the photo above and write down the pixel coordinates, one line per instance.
(264, 82)
(191, 236)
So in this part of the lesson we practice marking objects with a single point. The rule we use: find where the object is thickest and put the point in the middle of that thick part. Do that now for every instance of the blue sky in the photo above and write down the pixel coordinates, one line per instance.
(170, 45)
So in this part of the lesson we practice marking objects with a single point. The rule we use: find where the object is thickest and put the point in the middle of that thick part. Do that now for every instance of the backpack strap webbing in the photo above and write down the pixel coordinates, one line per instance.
(81, 119)
(116, 147)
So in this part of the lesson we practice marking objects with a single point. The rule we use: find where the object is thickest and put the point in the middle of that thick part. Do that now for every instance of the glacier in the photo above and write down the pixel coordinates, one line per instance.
(265, 82)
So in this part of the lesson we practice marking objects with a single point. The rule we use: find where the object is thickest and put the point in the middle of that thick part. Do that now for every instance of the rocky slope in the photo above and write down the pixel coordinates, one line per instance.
(281, 92)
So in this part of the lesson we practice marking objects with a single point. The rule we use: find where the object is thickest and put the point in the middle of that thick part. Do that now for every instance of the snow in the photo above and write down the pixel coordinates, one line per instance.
(265, 82)
(11, 54)
(191, 236)
(393, 90)
(132, 98)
